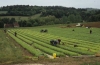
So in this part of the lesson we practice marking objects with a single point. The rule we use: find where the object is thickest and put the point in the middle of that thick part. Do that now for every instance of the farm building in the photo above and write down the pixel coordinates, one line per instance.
(79, 25)
(11, 25)
(16, 24)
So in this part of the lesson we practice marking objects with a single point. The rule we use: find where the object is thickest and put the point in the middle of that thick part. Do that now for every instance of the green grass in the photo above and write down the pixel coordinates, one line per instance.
(22, 17)
(80, 37)
(31, 49)
(3, 12)
(9, 52)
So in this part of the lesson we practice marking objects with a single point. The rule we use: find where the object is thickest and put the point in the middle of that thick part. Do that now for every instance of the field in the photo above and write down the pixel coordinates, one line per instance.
(10, 51)
(38, 44)
(18, 18)
(3, 12)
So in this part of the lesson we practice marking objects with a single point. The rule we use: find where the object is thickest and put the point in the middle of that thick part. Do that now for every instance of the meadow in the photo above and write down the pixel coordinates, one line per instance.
(18, 18)
(3, 12)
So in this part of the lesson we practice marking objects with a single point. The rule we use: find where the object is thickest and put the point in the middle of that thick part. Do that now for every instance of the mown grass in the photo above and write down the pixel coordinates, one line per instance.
(9, 52)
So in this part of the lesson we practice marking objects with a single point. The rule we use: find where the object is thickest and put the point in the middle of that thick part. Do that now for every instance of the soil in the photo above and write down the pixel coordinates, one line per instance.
(88, 24)
(64, 61)
(92, 24)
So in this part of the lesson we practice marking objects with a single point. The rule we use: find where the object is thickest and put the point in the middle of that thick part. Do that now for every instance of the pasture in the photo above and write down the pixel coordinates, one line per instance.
(18, 18)
(3, 12)
(38, 43)
(9, 51)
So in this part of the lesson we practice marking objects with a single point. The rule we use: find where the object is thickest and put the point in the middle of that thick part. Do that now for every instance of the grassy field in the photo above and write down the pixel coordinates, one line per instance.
(22, 17)
(80, 36)
(7, 49)
(3, 12)
(10, 51)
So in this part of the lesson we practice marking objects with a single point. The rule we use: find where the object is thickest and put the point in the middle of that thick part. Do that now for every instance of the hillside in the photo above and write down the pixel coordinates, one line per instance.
(18, 18)
(29, 16)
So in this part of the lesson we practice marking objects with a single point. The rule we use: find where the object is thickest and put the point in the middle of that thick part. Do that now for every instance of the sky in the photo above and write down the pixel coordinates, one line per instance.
(65, 3)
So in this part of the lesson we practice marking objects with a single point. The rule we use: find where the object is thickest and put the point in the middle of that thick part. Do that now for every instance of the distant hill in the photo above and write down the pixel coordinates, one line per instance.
(3, 12)
(47, 15)
(26, 10)
(90, 9)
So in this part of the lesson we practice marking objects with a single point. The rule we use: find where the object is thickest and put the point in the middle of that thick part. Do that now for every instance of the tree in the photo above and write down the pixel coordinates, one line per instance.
(36, 24)
(78, 18)
(42, 21)
(24, 23)
(28, 24)
(5, 20)
(12, 20)
(1, 24)
(71, 18)
(64, 19)
(20, 23)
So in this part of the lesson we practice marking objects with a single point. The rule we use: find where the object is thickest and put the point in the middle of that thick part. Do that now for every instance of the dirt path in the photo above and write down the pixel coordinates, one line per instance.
(28, 64)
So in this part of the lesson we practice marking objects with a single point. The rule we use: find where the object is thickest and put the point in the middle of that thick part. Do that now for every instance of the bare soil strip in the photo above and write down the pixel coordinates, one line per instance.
(28, 64)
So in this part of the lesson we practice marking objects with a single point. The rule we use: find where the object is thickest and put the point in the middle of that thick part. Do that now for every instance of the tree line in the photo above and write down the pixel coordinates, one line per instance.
(6, 21)
(49, 15)
(49, 20)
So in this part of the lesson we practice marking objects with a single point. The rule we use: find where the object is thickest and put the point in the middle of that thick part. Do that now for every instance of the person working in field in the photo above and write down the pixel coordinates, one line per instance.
(73, 30)
(55, 42)
(5, 30)
(15, 34)
(90, 31)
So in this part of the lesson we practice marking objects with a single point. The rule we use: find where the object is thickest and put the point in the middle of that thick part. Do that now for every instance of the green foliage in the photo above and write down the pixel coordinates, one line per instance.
(12, 20)
(6, 21)
(64, 19)
(9, 52)
(78, 18)
(94, 18)
(26, 46)
(42, 40)
(73, 14)
(3, 12)
(71, 18)
(70, 48)
(38, 44)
